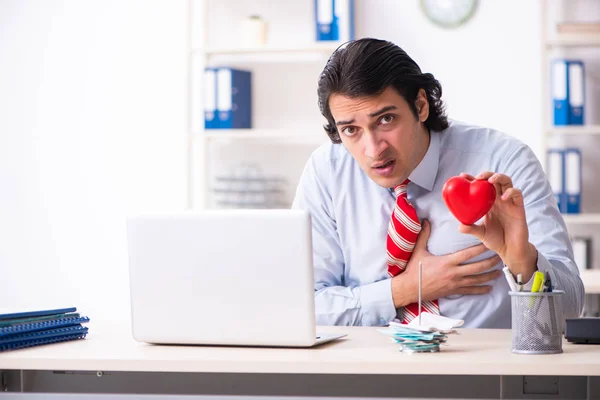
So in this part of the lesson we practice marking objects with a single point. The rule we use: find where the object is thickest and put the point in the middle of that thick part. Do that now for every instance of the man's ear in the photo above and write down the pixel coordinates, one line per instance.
(422, 105)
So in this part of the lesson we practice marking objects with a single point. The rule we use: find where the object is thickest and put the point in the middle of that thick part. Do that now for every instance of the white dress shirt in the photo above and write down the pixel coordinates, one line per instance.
(350, 215)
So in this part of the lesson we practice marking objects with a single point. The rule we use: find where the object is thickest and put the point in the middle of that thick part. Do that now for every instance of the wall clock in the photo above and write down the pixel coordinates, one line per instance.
(449, 13)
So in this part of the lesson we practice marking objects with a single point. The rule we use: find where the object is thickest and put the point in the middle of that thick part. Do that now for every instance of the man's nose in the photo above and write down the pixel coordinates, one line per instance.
(374, 145)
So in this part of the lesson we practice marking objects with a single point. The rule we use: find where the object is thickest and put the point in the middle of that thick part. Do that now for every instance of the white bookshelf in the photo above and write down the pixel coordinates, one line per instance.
(575, 130)
(555, 44)
(591, 281)
(583, 218)
(551, 43)
(291, 135)
(319, 49)
(574, 40)
(283, 118)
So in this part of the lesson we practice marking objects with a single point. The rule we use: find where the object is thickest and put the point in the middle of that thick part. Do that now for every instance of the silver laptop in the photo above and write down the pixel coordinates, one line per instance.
(223, 277)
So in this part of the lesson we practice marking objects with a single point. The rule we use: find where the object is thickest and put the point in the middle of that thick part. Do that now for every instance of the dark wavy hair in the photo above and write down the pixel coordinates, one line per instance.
(366, 67)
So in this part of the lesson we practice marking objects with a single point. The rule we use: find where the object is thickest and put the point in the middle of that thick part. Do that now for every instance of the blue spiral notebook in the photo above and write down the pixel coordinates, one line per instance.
(34, 328)
(43, 337)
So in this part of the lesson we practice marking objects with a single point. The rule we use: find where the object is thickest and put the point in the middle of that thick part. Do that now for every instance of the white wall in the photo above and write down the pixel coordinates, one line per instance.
(92, 127)
(489, 68)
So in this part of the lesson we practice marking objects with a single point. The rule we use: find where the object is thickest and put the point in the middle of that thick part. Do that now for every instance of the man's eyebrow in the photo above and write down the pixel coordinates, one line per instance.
(375, 114)
(383, 110)
(338, 123)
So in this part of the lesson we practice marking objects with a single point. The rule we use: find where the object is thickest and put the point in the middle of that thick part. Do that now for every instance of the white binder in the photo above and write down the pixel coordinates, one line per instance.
(210, 103)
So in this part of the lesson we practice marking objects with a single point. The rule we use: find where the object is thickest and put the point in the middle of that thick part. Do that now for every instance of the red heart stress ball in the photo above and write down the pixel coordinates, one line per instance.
(468, 200)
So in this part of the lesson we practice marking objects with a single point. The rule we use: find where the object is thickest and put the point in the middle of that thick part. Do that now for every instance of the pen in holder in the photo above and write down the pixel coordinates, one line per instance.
(537, 322)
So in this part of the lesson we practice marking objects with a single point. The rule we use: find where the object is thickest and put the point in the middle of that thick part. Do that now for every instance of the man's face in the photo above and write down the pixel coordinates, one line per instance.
(382, 133)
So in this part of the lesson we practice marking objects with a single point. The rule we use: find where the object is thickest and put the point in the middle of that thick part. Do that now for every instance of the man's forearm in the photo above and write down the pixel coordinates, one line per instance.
(524, 264)
(369, 304)
(403, 292)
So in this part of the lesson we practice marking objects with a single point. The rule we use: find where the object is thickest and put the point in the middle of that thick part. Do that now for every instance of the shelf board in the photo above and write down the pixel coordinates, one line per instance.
(583, 218)
(315, 48)
(591, 281)
(575, 130)
(314, 136)
(572, 40)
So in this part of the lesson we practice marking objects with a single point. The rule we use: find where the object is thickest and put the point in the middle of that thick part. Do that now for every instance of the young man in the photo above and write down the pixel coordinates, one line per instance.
(392, 150)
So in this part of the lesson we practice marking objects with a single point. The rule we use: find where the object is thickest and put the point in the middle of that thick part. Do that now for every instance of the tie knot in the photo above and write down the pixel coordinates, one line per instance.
(400, 190)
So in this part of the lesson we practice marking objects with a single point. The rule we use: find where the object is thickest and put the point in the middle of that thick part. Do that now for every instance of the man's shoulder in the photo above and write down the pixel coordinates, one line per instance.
(474, 138)
(329, 154)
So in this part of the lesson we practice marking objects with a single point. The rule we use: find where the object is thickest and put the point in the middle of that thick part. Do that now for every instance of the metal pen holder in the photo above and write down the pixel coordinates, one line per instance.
(537, 322)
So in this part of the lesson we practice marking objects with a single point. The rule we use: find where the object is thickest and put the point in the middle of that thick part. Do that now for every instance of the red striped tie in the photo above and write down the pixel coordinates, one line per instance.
(403, 231)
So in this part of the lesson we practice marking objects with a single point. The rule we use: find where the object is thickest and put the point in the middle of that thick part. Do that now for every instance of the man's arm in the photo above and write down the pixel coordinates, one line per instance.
(526, 229)
(336, 304)
(547, 230)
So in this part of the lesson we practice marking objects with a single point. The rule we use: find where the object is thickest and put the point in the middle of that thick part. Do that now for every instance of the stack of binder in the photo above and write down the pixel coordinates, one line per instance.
(564, 174)
(568, 92)
(334, 20)
(34, 328)
(227, 98)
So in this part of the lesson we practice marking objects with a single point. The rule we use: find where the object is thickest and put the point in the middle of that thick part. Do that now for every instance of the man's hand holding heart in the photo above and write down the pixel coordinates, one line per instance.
(504, 228)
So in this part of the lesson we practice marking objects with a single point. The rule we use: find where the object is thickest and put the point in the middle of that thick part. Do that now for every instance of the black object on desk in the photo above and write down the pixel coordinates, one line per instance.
(583, 330)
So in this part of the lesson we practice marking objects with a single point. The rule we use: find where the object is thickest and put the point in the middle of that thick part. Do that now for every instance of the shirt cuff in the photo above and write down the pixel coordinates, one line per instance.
(543, 265)
(376, 303)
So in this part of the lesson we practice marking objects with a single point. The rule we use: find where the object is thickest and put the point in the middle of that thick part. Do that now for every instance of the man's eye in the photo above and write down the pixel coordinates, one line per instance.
(349, 130)
(386, 119)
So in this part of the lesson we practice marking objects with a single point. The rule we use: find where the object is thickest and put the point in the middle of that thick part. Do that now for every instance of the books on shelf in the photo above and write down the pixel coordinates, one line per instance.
(38, 327)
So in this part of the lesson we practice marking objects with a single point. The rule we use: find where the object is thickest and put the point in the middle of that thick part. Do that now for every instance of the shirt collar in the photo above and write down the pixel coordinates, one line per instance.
(425, 173)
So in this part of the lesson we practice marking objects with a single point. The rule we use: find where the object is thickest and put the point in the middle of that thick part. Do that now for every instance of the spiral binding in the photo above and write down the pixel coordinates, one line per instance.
(41, 341)
(10, 331)
(45, 333)
(27, 320)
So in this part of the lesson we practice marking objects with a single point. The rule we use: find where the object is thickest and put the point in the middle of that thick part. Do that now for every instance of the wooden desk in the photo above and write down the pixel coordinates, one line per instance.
(364, 352)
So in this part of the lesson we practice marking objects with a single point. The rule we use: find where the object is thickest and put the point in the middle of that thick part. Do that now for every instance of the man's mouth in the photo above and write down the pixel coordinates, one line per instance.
(384, 165)
(385, 169)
